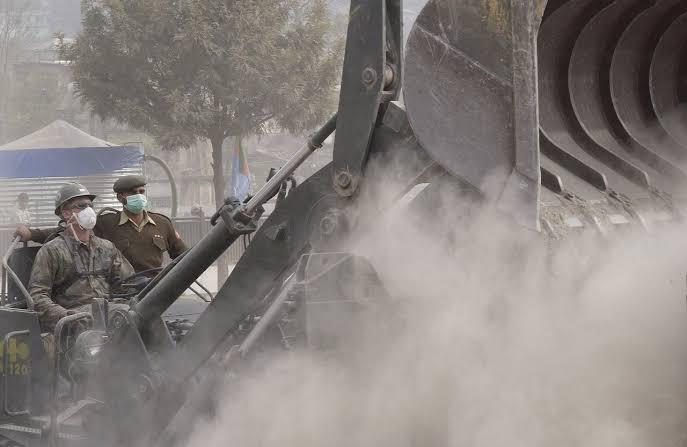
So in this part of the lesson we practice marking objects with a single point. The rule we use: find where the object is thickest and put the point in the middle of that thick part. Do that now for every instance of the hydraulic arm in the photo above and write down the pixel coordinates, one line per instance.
(561, 114)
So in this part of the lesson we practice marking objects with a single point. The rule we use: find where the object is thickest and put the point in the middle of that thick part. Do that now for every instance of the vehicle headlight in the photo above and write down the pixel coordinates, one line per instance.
(84, 355)
(94, 350)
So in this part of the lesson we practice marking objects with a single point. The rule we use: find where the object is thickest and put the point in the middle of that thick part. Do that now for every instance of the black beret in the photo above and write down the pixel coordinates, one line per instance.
(129, 182)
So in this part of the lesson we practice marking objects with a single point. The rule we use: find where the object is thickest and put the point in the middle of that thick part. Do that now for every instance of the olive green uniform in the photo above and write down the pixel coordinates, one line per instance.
(142, 246)
(68, 274)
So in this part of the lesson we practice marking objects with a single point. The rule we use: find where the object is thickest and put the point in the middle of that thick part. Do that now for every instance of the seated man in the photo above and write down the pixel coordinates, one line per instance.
(77, 266)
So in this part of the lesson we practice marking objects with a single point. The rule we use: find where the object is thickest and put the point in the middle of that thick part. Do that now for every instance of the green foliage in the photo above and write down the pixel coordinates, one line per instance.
(188, 69)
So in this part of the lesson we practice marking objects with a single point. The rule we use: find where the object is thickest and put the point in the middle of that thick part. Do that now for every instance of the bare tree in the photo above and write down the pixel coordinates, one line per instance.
(16, 33)
(16, 37)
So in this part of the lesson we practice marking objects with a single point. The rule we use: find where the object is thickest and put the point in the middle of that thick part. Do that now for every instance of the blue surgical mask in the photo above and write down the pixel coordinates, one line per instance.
(136, 203)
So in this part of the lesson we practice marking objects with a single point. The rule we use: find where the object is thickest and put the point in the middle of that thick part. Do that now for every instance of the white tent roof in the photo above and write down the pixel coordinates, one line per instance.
(58, 134)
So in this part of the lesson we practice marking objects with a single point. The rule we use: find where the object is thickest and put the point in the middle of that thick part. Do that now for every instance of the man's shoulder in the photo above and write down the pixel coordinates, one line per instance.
(55, 246)
(109, 217)
(160, 218)
(101, 242)
(165, 225)
(54, 243)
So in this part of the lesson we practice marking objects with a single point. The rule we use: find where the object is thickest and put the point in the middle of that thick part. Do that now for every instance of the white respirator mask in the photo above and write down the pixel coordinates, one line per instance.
(86, 218)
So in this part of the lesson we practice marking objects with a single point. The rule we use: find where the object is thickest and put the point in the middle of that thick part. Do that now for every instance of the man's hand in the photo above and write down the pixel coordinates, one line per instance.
(23, 232)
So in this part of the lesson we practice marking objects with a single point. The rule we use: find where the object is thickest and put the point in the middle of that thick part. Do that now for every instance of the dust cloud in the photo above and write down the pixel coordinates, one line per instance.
(507, 340)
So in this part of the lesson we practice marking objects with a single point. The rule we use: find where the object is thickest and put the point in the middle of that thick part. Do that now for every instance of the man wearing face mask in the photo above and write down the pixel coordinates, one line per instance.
(76, 266)
(142, 236)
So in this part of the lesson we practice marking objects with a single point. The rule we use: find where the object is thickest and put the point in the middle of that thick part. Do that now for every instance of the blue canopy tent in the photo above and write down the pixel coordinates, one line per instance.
(62, 150)
(58, 153)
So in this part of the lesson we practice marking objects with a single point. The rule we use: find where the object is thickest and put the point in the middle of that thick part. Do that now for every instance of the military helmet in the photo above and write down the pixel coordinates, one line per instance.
(68, 192)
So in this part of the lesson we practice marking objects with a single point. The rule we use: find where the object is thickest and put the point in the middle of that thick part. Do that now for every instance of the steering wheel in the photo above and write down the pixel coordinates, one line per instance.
(133, 283)
(137, 286)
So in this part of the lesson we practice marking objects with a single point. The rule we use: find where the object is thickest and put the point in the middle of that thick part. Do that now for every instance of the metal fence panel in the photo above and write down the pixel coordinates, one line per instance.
(42, 192)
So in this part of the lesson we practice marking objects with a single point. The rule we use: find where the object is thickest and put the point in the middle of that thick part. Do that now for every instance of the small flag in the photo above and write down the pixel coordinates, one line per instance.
(239, 184)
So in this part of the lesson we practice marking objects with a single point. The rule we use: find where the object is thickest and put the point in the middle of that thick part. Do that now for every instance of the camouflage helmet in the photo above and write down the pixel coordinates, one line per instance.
(69, 191)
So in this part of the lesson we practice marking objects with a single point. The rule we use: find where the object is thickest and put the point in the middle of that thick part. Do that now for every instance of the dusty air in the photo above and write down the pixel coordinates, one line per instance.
(304, 223)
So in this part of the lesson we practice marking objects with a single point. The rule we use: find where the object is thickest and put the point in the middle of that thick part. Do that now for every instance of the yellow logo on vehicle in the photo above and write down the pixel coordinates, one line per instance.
(18, 361)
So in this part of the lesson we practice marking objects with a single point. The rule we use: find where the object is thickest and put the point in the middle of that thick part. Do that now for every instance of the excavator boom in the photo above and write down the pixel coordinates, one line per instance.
(562, 115)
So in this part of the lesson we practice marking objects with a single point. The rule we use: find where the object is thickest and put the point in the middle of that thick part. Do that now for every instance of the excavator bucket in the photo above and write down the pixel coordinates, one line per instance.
(534, 101)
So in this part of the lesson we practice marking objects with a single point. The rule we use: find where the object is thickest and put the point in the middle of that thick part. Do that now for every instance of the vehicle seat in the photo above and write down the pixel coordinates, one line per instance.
(21, 262)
